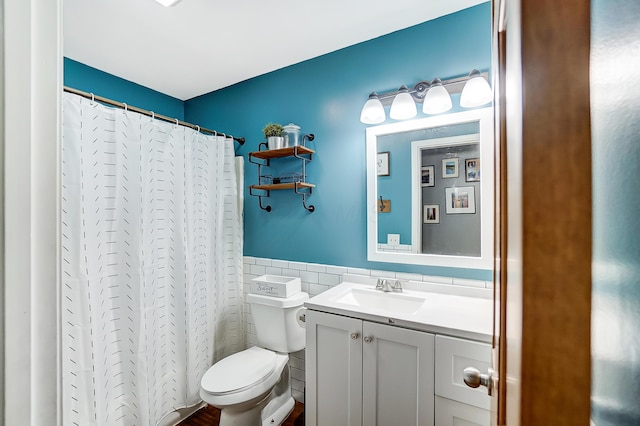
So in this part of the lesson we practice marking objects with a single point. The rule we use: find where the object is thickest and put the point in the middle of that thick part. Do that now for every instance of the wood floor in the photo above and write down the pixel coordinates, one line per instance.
(210, 416)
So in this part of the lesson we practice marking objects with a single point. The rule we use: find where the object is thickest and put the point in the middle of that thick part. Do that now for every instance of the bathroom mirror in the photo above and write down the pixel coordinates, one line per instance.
(430, 191)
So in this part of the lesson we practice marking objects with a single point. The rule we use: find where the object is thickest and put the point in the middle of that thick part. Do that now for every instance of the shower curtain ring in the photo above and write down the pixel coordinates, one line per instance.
(153, 115)
(177, 124)
(197, 128)
(93, 98)
(126, 107)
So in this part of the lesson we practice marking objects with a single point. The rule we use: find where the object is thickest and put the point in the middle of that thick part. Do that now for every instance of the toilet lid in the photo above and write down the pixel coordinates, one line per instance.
(239, 371)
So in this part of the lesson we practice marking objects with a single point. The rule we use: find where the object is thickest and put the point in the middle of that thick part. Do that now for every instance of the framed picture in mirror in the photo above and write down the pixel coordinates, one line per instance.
(428, 176)
(450, 168)
(431, 213)
(460, 199)
(383, 163)
(472, 169)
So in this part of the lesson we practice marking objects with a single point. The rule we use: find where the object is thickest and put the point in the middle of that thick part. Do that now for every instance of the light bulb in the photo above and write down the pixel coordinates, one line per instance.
(403, 106)
(168, 3)
(373, 111)
(437, 99)
(476, 91)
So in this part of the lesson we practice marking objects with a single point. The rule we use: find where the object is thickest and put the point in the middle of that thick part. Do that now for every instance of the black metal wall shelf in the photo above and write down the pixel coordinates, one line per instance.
(300, 186)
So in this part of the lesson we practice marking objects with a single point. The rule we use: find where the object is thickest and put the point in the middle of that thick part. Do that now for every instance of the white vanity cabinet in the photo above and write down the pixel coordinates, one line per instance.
(365, 373)
(456, 403)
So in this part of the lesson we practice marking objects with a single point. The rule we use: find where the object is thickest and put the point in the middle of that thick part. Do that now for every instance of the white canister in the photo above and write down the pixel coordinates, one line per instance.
(292, 134)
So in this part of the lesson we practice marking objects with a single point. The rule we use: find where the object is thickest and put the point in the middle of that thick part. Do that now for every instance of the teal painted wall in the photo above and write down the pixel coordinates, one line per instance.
(394, 187)
(615, 120)
(92, 80)
(324, 96)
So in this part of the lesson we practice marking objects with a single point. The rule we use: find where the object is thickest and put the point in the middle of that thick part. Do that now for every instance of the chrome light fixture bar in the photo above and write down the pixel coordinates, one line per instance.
(434, 95)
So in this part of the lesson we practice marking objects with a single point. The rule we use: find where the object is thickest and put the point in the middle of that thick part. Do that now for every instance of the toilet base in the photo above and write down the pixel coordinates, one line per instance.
(277, 411)
(268, 410)
(244, 417)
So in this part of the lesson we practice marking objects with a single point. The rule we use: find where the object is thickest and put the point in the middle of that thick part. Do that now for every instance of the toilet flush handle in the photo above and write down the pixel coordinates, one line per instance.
(301, 316)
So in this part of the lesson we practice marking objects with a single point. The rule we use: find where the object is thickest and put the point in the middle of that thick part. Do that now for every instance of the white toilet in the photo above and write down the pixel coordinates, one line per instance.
(253, 387)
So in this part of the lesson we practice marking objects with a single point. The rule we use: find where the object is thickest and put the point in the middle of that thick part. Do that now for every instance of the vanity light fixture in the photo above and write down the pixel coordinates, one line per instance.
(168, 3)
(435, 96)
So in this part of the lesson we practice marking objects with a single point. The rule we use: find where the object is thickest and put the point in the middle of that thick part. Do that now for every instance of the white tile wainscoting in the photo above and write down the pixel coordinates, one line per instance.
(317, 278)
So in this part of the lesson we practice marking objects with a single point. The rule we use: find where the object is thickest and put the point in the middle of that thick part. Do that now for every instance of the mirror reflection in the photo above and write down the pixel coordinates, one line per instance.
(429, 200)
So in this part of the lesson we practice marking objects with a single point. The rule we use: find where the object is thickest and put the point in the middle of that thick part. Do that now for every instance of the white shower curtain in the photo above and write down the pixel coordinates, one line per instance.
(151, 263)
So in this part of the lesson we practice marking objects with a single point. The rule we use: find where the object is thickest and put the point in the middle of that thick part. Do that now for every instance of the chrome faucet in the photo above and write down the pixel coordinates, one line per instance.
(387, 286)
(383, 285)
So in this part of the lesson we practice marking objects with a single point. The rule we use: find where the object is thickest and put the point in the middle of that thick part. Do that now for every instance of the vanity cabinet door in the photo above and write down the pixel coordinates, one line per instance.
(333, 370)
(454, 413)
(453, 355)
(398, 376)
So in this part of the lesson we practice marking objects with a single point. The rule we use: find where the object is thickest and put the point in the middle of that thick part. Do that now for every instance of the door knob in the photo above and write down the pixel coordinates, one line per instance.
(473, 378)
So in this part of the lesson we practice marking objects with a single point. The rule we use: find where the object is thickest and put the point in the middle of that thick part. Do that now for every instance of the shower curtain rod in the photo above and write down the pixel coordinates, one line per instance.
(111, 102)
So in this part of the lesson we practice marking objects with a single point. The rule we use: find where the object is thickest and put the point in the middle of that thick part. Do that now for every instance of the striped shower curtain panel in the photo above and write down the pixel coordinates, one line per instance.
(151, 263)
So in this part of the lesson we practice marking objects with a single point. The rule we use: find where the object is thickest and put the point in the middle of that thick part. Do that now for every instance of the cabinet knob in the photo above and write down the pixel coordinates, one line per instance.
(354, 336)
(368, 339)
(473, 378)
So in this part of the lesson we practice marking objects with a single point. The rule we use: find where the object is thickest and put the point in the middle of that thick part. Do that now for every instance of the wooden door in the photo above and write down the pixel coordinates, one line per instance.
(543, 257)
(333, 370)
(398, 376)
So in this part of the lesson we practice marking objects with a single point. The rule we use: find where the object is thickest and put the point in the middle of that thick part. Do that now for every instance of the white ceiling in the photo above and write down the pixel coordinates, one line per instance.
(199, 46)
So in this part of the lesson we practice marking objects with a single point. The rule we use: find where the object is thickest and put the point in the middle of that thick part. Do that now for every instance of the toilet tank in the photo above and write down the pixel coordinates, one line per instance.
(278, 327)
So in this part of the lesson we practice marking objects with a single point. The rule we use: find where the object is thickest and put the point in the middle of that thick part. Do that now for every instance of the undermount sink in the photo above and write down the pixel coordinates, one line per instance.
(379, 300)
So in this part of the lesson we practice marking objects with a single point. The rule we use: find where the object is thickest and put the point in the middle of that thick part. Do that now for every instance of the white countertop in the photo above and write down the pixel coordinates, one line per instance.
(446, 310)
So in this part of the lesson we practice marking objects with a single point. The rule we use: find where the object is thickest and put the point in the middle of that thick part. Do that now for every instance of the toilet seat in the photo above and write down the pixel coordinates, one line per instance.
(239, 371)
(255, 371)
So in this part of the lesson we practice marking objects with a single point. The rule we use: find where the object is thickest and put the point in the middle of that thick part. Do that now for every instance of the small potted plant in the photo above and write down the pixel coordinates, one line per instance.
(274, 133)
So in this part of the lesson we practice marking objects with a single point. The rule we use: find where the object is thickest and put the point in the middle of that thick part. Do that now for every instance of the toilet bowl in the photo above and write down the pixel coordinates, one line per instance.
(253, 387)
(241, 383)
